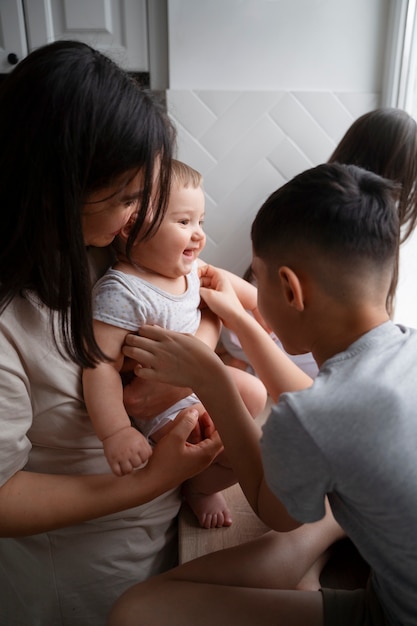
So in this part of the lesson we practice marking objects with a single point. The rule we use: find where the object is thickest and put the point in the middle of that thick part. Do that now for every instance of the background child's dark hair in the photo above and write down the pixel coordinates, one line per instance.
(384, 141)
(342, 211)
(72, 122)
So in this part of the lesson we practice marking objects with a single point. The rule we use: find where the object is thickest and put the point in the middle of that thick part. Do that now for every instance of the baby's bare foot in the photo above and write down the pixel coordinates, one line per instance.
(211, 511)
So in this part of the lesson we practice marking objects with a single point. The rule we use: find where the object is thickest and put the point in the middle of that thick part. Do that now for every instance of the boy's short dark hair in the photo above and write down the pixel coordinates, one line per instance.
(341, 210)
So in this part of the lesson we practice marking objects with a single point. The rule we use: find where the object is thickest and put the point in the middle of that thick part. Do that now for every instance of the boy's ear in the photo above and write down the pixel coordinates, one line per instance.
(292, 288)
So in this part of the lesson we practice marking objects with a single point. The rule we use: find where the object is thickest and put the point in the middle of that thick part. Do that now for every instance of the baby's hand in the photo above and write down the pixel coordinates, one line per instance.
(126, 450)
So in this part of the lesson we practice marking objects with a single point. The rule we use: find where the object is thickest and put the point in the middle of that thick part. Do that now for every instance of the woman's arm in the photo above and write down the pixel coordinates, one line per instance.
(32, 503)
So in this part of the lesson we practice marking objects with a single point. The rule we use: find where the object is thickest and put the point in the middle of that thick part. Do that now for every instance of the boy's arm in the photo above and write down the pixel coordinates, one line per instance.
(184, 360)
(274, 368)
(248, 296)
(246, 292)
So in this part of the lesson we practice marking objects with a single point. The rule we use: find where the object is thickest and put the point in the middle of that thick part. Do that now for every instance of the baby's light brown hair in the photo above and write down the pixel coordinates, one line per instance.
(184, 175)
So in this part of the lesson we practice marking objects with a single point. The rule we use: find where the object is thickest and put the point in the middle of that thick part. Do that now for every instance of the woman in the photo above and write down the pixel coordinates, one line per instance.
(83, 148)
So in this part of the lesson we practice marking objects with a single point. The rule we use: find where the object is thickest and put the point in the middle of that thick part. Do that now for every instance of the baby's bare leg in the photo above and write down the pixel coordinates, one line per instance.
(203, 491)
(251, 389)
(203, 494)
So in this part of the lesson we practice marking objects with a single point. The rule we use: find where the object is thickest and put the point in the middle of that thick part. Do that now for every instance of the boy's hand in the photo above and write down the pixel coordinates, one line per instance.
(217, 292)
(126, 450)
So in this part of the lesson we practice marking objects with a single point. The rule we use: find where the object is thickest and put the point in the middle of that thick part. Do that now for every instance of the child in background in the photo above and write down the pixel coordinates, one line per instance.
(383, 141)
(159, 284)
(324, 251)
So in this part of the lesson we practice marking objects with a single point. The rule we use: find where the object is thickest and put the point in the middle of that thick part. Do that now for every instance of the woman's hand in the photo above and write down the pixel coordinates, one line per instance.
(174, 456)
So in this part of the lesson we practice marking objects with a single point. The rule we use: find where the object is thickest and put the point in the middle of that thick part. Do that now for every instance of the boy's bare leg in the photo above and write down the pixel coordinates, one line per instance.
(274, 560)
(311, 579)
(159, 602)
(250, 583)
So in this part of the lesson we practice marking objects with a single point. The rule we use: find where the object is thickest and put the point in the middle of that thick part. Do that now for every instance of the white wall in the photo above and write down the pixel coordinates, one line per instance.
(406, 297)
(277, 44)
(263, 89)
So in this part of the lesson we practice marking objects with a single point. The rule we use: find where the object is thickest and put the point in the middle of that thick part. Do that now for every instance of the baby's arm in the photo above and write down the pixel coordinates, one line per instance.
(125, 448)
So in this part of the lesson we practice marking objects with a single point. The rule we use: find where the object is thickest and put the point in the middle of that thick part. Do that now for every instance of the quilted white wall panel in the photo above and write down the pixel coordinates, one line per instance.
(248, 143)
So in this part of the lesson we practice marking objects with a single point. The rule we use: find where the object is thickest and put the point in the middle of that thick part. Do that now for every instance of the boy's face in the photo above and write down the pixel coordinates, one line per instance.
(180, 238)
(274, 306)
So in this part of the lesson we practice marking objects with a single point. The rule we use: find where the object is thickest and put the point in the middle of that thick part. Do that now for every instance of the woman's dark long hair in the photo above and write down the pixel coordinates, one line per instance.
(71, 122)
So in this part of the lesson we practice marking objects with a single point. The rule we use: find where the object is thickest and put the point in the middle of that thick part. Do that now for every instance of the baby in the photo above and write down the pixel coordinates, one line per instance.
(159, 284)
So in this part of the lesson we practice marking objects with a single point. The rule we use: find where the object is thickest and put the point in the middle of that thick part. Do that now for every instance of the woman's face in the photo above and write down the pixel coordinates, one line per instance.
(107, 210)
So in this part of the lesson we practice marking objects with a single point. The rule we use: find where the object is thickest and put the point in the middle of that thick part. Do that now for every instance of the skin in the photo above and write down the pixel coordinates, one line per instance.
(293, 303)
(31, 502)
(108, 210)
(163, 260)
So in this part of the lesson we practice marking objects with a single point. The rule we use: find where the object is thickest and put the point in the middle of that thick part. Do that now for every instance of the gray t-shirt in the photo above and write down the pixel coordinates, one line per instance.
(353, 436)
(127, 301)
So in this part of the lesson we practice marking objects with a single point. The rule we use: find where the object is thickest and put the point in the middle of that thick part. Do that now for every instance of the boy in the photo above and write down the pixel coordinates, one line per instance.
(324, 249)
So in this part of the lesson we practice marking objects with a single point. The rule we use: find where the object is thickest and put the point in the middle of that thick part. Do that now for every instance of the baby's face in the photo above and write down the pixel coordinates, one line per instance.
(179, 239)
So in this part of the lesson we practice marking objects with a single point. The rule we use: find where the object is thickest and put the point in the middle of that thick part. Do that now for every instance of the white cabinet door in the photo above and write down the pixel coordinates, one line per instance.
(116, 27)
(13, 46)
